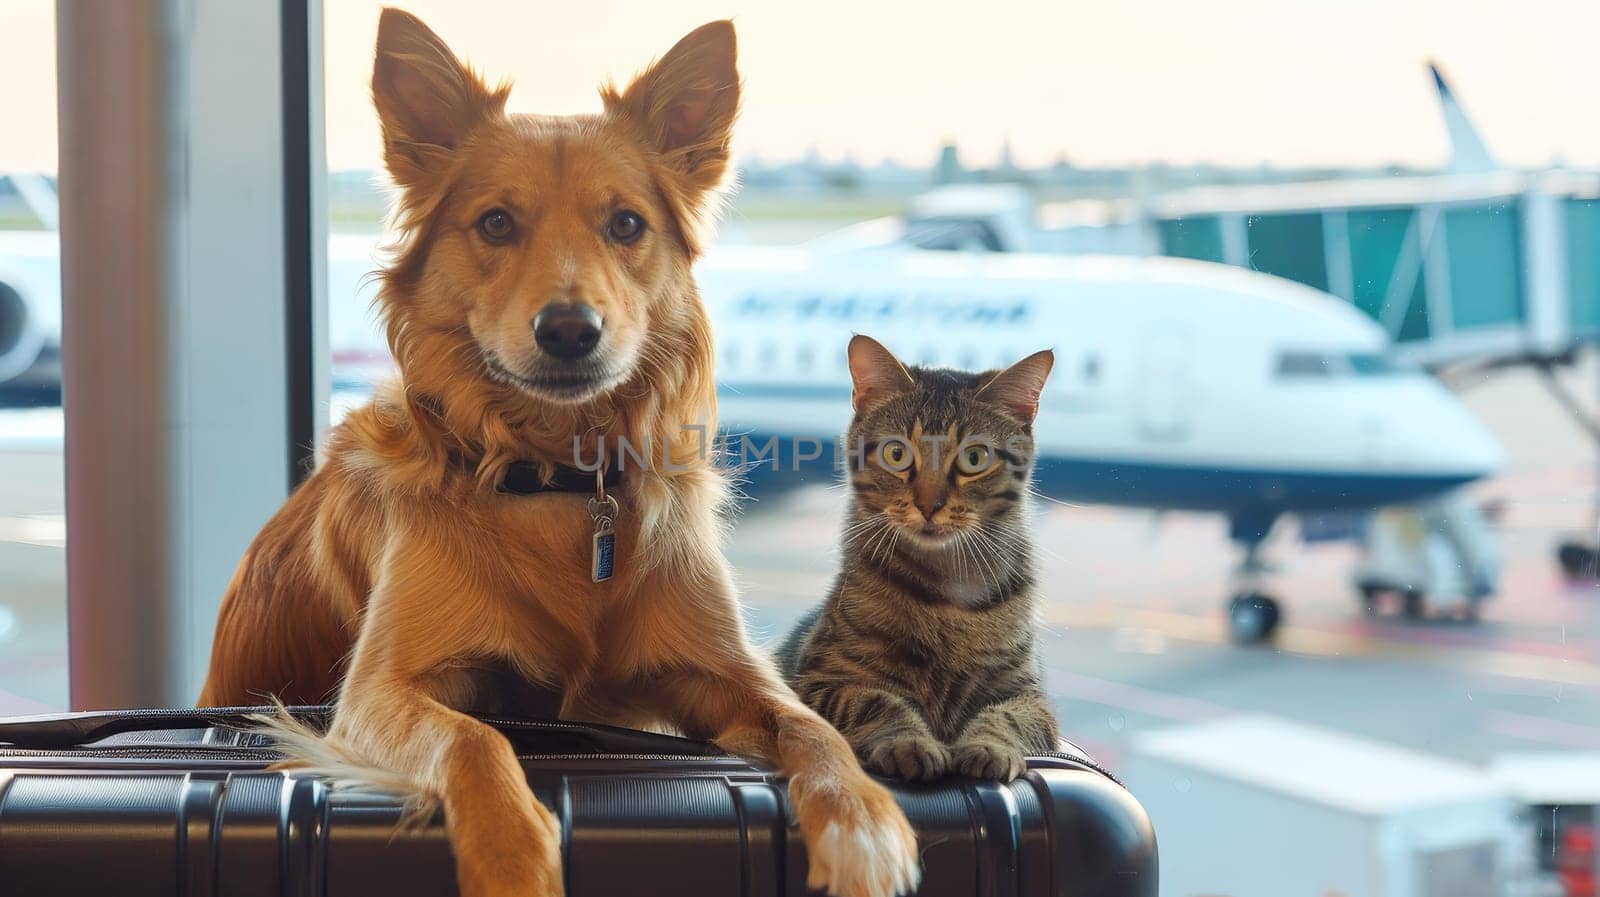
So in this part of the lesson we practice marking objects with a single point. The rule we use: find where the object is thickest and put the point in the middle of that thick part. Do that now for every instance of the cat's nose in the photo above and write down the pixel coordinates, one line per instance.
(930, 505)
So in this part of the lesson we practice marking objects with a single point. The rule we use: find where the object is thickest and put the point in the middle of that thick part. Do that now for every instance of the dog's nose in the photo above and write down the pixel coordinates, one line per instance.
(567, 332)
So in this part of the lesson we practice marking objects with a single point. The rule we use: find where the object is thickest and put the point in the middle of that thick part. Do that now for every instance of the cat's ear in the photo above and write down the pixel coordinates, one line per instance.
(875, 374)
(1018, 387)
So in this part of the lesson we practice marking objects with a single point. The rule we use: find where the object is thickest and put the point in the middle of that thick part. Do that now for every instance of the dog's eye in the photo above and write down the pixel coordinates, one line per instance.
(496, 225)
(625, 226)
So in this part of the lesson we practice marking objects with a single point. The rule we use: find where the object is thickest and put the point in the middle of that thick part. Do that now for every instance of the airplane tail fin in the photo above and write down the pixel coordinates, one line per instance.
(1468, 152)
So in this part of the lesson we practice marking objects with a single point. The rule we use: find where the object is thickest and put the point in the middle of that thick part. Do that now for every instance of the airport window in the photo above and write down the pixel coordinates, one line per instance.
(33, 632)
(1290, 585)
(1582, 220)
(1388, 273)
(1194, 238)
(1289, 246)
(1485, 264)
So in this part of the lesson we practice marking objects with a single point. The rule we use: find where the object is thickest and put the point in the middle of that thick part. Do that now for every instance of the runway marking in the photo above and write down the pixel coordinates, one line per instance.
(1542, 729)
(31, 430)
(1328, 643)
(47, 530)
(1122, 696)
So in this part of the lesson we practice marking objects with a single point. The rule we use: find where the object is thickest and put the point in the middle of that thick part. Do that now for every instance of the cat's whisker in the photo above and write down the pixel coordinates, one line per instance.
(985, 553)
(1034, 491)
(880, 539)
(858, 527)
(966, 547)
(993, 559)
(1041, 548)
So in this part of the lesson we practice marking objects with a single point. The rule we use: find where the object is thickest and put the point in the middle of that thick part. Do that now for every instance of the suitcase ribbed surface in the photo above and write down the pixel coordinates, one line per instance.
(193, 812)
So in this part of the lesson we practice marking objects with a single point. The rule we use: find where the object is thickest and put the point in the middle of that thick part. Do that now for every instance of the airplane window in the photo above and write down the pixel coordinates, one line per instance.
(1370, 364)
(1361, 364)
(1305, 364)
(953, 235)
(804, 357)
(1091, 368)
(730, 355)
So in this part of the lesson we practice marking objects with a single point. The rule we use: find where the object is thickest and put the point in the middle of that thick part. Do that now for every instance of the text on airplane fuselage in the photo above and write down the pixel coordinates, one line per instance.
(899, 307)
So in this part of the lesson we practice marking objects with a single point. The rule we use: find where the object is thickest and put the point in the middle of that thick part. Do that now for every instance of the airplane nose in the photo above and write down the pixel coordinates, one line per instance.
(1476, 449)
(567, 332)
(1450, 437)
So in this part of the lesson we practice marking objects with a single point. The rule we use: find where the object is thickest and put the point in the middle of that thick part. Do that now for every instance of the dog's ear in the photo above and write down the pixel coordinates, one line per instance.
(875, 374)
(685, 105)
(1018, 387)
(427, 100)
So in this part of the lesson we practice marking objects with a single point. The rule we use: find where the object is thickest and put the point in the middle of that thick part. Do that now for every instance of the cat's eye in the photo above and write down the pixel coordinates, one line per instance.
(496, 225)
(625, 227)
(894, 454)
(974, 459)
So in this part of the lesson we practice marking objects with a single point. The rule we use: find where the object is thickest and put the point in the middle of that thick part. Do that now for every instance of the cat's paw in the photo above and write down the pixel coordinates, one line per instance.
(987, 760)
(914, 758)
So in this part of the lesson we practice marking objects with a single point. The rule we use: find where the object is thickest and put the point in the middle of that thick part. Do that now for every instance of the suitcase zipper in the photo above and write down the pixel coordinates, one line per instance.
(267, 757)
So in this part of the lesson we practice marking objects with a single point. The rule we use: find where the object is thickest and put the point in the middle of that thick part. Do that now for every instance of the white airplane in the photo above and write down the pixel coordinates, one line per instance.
(1178, 385)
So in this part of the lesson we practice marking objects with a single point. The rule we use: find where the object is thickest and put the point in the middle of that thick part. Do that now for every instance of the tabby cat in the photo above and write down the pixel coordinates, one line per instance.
(922, 655)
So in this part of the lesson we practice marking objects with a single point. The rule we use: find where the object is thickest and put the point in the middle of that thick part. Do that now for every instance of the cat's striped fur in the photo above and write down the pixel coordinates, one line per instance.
(923, 653)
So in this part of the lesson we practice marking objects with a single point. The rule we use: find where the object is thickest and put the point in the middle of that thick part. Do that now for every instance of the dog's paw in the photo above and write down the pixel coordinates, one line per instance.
(507, 851)
(869, 853)
(987, 760)
(914, 758)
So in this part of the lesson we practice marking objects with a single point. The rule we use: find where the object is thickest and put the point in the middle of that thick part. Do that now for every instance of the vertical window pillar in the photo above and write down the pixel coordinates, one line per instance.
(178, 208)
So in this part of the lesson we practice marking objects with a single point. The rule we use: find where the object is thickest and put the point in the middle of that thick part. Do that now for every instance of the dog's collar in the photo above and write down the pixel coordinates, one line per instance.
(522, 478)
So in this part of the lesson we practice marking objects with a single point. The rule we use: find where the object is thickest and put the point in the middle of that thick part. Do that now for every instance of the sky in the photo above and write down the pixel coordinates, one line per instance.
(1244, 82)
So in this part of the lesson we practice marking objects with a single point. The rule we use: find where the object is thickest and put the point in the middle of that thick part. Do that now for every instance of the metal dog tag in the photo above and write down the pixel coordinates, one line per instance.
(603, 552)
(603, 559)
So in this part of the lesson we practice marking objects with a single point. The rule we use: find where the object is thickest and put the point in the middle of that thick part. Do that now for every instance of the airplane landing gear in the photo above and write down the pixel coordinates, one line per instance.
(1579, 559)
(1252, 618)
(1253, 615)
(1578, 562)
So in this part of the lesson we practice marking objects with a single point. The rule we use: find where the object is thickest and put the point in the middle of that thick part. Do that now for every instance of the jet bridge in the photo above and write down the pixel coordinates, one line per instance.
(1501, 266)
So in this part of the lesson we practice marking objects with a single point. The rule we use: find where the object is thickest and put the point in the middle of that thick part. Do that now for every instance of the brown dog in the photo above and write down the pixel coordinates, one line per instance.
(540, 303)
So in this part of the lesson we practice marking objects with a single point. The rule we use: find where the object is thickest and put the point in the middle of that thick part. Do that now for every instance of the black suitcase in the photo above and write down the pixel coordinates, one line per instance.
(180, 802)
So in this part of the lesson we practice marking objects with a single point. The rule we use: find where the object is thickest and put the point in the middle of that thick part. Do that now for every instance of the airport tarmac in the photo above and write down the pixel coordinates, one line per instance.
(1133, 630)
